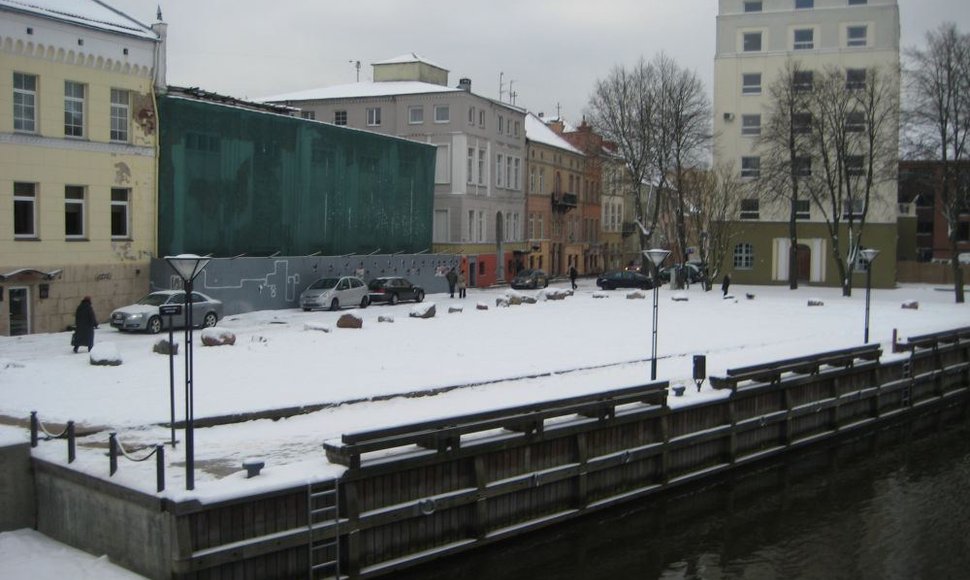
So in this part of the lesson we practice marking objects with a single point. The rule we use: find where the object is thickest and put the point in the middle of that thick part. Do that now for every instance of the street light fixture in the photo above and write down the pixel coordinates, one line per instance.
(869, 255)
(188, 266)
(657, 257)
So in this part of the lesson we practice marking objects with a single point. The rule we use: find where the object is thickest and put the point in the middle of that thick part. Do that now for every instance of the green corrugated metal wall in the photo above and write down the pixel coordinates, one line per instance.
(235, 181)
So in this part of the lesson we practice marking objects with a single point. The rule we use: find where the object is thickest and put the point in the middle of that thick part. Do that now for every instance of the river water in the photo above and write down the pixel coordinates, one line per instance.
(894, 504)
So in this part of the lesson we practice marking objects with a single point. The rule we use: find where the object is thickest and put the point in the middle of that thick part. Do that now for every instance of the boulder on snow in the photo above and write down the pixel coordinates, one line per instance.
(679, 297)
(455, 308)
(105, 354)
(217, 337)
(385, 318)
(481, 306)
(636, 295)
(350, 320)
(502, 302)
(163, 346)
(316, 326)
(911, 305)
(427, 310)
(815, 302)
(599, 294)
(749, 296)
(556, 293)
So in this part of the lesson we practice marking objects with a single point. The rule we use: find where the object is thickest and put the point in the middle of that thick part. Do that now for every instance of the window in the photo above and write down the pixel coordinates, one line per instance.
(803, 166)
(804, 4)
(803, 209)
(855, 122)
(471, 115)
(120, 214)
(441, 225)
(481, 118)
(74, 212)
(373, 116)
(501, 123)
(416, 115)
(751, 167)
(752, 42)
(471, 164)
(120, 107)
(24, 210)
(743, 256)
(533, 180)
(308, 115)
(480, 233)
(442, 164)
(518, 165)
(516, 132)
(340, 117)
(853, 208)
(24, 102)
(751, 125)
(442, 114)
(857, 35)
(751, 84)
(803, 81)
(804, 39)
(498, 170)
(750, 209)
(854, 165)
(508, 171)
(858, 2)
(855, 78)
(481, 167)
(753, 6)
(73, 109)
(801, 123)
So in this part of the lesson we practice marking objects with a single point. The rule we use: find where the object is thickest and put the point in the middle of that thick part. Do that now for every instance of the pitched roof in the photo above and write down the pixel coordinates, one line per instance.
(88, 13)
(536, 130)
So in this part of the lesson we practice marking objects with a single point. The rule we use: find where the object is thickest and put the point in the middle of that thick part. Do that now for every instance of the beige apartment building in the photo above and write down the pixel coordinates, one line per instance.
(77, 161)
(755, 40)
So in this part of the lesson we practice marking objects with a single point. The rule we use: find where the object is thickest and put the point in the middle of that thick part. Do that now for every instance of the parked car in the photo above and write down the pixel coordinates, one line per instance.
(392, 289)
(694, 272)
(530, 279)
(334, 293)
(624, 279)
(145, 316)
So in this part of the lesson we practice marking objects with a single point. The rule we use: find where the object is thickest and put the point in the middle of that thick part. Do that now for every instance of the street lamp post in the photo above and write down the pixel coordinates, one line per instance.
(188, 266)
(869, 255)
(657, 257)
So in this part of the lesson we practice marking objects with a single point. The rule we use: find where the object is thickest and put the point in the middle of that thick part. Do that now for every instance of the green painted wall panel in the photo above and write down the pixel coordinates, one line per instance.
(234, 181)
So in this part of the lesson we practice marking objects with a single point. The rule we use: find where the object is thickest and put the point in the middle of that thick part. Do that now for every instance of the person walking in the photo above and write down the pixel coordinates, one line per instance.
(85, 322)
(462, 284)
(725, 284)
(572, 276)
(452, 278)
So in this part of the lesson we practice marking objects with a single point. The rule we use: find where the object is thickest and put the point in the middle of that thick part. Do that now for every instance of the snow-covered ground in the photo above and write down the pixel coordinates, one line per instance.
(591, 341)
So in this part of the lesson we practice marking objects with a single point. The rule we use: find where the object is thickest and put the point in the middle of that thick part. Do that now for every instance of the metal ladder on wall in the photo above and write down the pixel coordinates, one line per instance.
(323, 507)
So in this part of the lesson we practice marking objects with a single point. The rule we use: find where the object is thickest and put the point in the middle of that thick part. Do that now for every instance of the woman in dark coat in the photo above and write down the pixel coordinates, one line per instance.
(84, 324)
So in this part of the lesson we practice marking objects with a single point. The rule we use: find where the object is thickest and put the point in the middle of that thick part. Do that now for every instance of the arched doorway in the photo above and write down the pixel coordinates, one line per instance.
(803, 260)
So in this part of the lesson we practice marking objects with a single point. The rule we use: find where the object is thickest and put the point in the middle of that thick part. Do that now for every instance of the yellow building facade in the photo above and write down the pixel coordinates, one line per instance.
(77, 163)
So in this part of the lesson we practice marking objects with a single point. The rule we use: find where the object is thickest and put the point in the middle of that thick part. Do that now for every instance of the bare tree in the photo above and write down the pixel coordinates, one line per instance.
(938, 119)
(785, 146)
(854, 134)
(714, 198)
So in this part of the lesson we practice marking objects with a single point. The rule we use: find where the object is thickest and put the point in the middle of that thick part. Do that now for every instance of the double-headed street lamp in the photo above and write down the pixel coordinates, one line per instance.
(869, 255)
(188, 266)
(657, 257)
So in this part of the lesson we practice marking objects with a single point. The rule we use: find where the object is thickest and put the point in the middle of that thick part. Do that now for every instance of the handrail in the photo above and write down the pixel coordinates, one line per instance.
(808, 364)
(933, 339)
(36, 427)
(116, 449)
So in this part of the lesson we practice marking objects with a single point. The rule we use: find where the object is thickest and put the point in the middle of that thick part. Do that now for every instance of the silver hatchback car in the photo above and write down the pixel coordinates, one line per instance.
(145, 315)
(334, 293)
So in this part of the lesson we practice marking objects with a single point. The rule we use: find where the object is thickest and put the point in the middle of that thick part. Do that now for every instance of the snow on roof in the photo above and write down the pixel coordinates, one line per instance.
(90, 13)
(359, 90)
(536, 130)
(409, 57)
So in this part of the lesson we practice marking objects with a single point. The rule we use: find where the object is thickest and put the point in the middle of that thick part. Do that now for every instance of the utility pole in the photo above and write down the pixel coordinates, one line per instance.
(356, 64)
(511, 92)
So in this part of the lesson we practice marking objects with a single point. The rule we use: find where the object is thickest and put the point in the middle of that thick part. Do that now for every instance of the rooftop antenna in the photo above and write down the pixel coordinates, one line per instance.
(356, 64)
(559, 110)
(501, 85)
(511, 92)
(158, 13)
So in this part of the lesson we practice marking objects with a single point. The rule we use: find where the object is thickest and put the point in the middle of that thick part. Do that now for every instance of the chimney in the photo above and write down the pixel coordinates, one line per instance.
(465, 84)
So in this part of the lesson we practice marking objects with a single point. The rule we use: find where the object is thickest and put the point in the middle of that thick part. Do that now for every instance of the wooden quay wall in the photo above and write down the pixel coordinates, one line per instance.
(418, 492)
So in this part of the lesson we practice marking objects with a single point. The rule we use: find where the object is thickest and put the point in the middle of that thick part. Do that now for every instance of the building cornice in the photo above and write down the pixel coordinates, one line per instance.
(26, 140)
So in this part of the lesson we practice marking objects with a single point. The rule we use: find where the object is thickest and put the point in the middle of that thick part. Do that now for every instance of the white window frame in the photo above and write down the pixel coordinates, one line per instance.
(120, 115)
(75, 94)
(482, 221)
(501, 124)
(481, 167)
(750, 88)
(499, 168)
(856, 42)
(517, 173)
(25, 199)
(753, 211)
(803, 44)
(442, 114)
(471, 115)
(481, 118)
(121, 203)
(415, 115)
(373, 116)
(803, 209)
(752, 34)
(508, 171)
(24, 102)
(442, 170)
(751, 125)
(743, 256)
(471, 165)
(75, 203)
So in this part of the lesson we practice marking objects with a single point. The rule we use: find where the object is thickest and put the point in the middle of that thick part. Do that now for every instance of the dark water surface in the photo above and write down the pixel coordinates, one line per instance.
(892, 505)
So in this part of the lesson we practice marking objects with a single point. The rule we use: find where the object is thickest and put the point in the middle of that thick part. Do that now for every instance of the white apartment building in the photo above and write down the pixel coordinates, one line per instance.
(755, 40)
(479, 207)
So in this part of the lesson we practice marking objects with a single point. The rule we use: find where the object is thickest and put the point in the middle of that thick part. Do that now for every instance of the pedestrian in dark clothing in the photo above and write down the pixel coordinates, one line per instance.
(462, 284)
(725, 283)
(85, 322)
(452, 278)
(572, 276)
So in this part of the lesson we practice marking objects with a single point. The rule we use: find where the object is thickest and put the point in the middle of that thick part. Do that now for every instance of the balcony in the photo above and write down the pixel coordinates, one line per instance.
(563, 202)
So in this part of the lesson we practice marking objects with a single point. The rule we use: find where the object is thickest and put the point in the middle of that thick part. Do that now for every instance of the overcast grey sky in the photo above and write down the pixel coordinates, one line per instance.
(553, 51)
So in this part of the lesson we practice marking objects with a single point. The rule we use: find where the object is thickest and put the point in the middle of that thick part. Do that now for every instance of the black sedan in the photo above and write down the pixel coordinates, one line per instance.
(393, 289)
(624, 279)
(531, 279)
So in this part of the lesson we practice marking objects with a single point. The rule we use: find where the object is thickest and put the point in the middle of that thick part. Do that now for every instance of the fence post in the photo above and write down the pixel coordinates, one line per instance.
(33, 428)
(71, 443)
(160, 467)
(113, 452)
